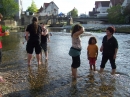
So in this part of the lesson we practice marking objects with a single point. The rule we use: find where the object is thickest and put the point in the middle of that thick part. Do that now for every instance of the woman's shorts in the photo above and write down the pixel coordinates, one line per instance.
(33, 45)
(75, 62)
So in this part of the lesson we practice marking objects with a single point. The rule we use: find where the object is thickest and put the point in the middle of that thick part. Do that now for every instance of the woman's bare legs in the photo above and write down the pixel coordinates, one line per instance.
(38, 58)
(113, 71)
(29, 58)
(101, 70)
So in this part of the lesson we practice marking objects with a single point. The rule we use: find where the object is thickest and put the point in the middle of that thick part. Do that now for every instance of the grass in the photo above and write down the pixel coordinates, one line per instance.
(123, 30)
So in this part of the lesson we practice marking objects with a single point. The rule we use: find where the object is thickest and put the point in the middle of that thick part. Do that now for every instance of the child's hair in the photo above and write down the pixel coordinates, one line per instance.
(111, 29)
(76, 28)
(90, 40)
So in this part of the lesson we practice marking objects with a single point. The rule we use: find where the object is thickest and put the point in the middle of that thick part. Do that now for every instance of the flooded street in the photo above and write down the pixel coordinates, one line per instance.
(53, 77)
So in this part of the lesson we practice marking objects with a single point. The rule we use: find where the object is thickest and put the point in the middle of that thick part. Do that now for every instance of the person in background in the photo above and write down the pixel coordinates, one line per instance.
(76, 45)
(1, 34)
(44, 39)
(92, 52)
(33, 37)
(109, 49)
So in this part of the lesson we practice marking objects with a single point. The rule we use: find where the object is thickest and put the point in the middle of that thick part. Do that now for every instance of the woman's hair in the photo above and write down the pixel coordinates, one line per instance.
(35, 23)
(111, 29)
(1, 16)
(76, 28)
(90, 40)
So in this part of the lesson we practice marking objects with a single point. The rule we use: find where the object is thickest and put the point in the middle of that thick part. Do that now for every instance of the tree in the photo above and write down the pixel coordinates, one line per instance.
(74, 12)
(126, 10)
(8, 8)
(33, 8)
(115, 16)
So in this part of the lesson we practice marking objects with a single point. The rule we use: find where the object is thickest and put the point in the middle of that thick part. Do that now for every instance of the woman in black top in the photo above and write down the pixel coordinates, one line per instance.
(34, 32)
(109, 50)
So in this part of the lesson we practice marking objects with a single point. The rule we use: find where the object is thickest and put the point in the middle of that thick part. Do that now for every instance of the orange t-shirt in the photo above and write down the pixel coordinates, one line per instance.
(92, 50)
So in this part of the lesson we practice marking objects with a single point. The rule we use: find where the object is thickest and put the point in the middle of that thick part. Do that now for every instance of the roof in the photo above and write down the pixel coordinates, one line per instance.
(103, 3)
(115, 2)
(46, 5)
(40, 10)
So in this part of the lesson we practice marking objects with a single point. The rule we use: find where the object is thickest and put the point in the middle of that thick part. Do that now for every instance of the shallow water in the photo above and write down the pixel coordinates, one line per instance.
(53, 77)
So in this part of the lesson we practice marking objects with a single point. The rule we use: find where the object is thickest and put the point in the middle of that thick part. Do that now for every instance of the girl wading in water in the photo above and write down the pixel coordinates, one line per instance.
(75, 50)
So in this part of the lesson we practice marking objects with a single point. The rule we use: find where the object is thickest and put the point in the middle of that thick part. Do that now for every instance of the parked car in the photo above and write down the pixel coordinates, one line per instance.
(83, 16)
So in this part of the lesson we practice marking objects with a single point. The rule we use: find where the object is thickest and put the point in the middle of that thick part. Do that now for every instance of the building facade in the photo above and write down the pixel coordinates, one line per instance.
(18, 14)
(48, 9)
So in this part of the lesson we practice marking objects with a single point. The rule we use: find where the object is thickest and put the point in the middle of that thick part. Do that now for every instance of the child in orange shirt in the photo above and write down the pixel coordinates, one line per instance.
(92, 52)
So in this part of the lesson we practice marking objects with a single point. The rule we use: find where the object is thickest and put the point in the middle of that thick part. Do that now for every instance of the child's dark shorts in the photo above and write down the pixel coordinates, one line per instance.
(44, 46)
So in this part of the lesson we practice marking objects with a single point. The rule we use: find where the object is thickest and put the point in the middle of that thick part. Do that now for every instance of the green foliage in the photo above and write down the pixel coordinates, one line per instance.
(33, 8)
(115, 16)
(4, 28)
(74, 12)
(8, 8)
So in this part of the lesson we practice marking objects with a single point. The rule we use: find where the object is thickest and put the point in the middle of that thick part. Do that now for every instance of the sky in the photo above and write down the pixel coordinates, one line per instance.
(83, 6)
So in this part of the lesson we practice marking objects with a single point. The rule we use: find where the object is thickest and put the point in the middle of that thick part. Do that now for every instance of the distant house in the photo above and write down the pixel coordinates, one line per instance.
(102, 6)
(115, 2)
(48, 9)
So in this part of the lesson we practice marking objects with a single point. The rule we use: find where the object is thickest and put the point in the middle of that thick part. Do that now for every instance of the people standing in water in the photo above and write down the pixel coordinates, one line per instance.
(34, 31)
(92, 52)
(44, 39)
(109, 50)
(76, 46)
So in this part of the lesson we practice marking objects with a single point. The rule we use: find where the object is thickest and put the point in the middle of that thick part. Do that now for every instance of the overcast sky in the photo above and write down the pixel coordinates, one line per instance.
(83, 6)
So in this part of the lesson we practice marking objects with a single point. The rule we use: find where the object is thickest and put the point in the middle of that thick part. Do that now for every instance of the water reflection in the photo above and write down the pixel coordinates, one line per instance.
(74, 89)
(37, 78)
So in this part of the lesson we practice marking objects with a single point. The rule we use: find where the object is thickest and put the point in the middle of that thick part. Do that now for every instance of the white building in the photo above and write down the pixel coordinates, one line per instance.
(102, 7)
(18, 15)
(48, 9)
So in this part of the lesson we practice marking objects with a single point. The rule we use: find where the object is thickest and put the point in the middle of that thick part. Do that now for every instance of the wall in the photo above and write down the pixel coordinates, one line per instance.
(10, 23)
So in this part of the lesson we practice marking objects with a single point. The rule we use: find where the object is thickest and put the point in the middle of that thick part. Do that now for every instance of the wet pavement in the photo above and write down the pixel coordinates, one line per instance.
(53, 77)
